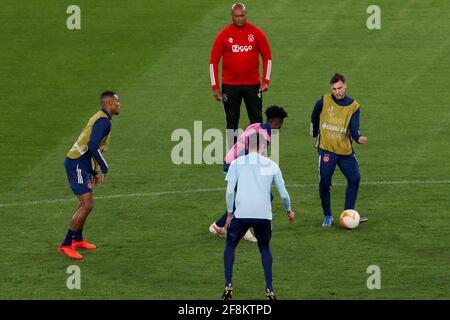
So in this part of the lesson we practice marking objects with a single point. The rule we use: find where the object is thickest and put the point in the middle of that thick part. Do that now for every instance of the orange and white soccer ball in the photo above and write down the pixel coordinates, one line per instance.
(349, 219)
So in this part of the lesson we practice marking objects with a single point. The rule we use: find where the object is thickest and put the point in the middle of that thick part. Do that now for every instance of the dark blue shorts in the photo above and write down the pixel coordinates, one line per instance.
(328, 162)
(79, 175)
(261, 227)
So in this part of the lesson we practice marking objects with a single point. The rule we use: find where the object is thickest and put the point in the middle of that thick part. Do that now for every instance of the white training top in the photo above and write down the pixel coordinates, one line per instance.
(254, 174)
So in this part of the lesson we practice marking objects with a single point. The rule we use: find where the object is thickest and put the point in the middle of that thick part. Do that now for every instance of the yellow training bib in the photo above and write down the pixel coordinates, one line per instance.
(334, 134)
(81, 145)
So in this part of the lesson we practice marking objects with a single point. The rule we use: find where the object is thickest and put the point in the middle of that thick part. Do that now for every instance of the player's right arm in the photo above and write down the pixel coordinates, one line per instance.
(315, 118)
(216, 55)
(231, 178)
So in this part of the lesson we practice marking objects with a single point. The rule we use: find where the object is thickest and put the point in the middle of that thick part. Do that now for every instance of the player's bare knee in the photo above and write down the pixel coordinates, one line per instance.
(88, 205)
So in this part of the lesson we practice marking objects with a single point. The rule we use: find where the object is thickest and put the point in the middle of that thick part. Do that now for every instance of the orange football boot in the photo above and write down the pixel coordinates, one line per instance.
(83, 244)
(70, 252)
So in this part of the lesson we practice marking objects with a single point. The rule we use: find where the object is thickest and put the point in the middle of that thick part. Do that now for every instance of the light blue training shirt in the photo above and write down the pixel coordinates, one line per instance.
(254, 175)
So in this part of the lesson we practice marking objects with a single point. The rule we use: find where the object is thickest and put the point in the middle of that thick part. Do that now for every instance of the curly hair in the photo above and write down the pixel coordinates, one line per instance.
(275, 111)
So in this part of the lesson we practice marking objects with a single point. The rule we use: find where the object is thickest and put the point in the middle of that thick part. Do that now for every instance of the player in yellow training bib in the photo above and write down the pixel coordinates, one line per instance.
(335, 124)
(85, 164)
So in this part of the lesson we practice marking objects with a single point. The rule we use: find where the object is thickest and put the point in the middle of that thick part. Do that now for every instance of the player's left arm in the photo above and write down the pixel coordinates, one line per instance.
(279, 183)
(266, 54)
(100, 130)
(97, 168)
(354, 128)
(315, 118)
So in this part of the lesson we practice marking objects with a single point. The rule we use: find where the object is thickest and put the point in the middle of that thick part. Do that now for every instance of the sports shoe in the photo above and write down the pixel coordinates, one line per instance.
(227, 293)
(83, 244)
(270, 295)
(363, 219)
(215, 229)
(328, 221)
(70, 252)
(249, 236)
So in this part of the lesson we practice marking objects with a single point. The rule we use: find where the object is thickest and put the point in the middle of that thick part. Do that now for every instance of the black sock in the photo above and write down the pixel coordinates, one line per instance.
(79, 235)
(68, 240)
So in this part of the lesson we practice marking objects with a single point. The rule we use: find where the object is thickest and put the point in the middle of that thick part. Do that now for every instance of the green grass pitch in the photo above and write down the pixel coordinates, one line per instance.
(155, 244)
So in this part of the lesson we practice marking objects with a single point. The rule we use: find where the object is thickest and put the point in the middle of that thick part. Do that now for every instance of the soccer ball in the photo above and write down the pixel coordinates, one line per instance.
(349, 219)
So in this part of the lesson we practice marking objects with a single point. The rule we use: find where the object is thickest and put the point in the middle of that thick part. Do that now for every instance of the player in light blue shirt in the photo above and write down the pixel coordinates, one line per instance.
(254, 175)
(275, 119)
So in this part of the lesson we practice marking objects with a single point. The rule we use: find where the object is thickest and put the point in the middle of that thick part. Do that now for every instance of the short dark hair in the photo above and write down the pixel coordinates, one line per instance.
(107, 94)
(336, 78)
(275, 111)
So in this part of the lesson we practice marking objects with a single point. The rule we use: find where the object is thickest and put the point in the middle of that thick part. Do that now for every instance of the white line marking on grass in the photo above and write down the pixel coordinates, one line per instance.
(163, 193)
(115, 196)
(375, 183)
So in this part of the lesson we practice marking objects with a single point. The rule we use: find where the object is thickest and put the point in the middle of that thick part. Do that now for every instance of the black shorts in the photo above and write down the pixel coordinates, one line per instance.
(239, 226)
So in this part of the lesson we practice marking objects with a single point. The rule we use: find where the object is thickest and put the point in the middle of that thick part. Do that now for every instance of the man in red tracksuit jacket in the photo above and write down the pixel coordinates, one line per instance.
(239, 45)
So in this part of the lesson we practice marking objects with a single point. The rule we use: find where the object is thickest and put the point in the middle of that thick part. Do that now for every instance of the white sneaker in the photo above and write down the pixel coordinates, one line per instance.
(249, 236)
(215, 229)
